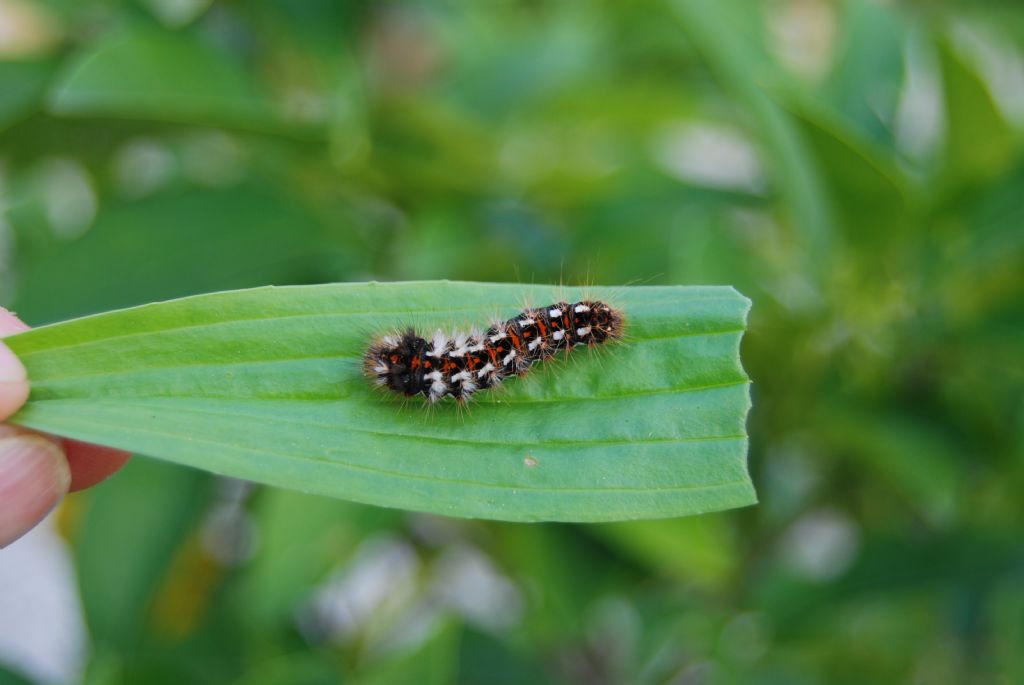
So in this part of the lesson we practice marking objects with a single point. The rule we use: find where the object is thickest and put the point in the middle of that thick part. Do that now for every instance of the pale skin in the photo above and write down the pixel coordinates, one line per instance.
(37, 470)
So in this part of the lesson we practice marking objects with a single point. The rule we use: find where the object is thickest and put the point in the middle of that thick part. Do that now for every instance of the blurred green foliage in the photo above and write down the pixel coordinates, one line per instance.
(856, 168)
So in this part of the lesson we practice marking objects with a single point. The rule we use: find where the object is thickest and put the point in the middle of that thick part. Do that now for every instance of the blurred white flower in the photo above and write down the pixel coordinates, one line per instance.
(143, 166)
(42, 631)
(69, 199)
(708, 154)
(464, 579)
(821, 544)
(177, 13)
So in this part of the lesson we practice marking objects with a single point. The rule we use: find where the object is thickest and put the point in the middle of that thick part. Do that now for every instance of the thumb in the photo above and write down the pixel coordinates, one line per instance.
(13, 382)
(34, 475)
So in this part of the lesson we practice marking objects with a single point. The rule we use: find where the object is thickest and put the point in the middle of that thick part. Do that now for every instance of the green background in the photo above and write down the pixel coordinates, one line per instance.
(855, 168)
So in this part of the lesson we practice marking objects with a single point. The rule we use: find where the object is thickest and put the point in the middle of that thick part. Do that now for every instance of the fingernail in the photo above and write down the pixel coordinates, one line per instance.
(34, 475)
(13, 382)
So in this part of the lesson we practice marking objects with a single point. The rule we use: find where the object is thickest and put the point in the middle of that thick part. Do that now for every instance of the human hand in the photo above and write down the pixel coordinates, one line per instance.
(37, 470)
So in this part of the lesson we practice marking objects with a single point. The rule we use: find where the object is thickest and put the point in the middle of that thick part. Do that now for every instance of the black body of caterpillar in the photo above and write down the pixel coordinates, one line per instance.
(460, 365)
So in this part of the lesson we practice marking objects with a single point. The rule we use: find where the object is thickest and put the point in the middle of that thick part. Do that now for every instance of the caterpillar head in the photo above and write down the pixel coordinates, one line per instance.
(604, 322)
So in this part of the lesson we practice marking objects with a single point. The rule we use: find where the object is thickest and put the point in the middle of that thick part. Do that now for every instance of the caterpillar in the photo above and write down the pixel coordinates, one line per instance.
(458, 366)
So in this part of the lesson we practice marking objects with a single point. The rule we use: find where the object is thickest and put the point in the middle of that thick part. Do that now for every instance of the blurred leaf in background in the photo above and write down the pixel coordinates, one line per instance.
(853, 166)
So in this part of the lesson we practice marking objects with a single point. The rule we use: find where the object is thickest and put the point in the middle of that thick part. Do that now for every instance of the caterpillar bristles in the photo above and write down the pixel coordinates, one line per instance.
(462, 364)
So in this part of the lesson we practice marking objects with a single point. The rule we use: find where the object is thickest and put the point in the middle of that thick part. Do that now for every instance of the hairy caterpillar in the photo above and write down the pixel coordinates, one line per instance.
(459, 365)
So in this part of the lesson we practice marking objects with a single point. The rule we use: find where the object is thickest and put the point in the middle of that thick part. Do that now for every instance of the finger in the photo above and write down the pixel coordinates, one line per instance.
(10, 324)
(91, 464)
(13, 379)
(34, 475)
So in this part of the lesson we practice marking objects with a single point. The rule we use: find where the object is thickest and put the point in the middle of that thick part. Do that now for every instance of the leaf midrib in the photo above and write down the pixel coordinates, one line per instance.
(389, 401)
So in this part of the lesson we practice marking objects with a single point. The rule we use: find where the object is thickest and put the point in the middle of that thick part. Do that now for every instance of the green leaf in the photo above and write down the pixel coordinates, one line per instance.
(249, 234)
(723, 34)
(23, 84)
(979, 142)
(548, 560)
(435, 662)
(866, 186)
(266, 384)
(148, 73)
(708, 560)
(301, 539)
(866, 82)
(313, 667)
(912, 457)
(9, 677)
(133, 527)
